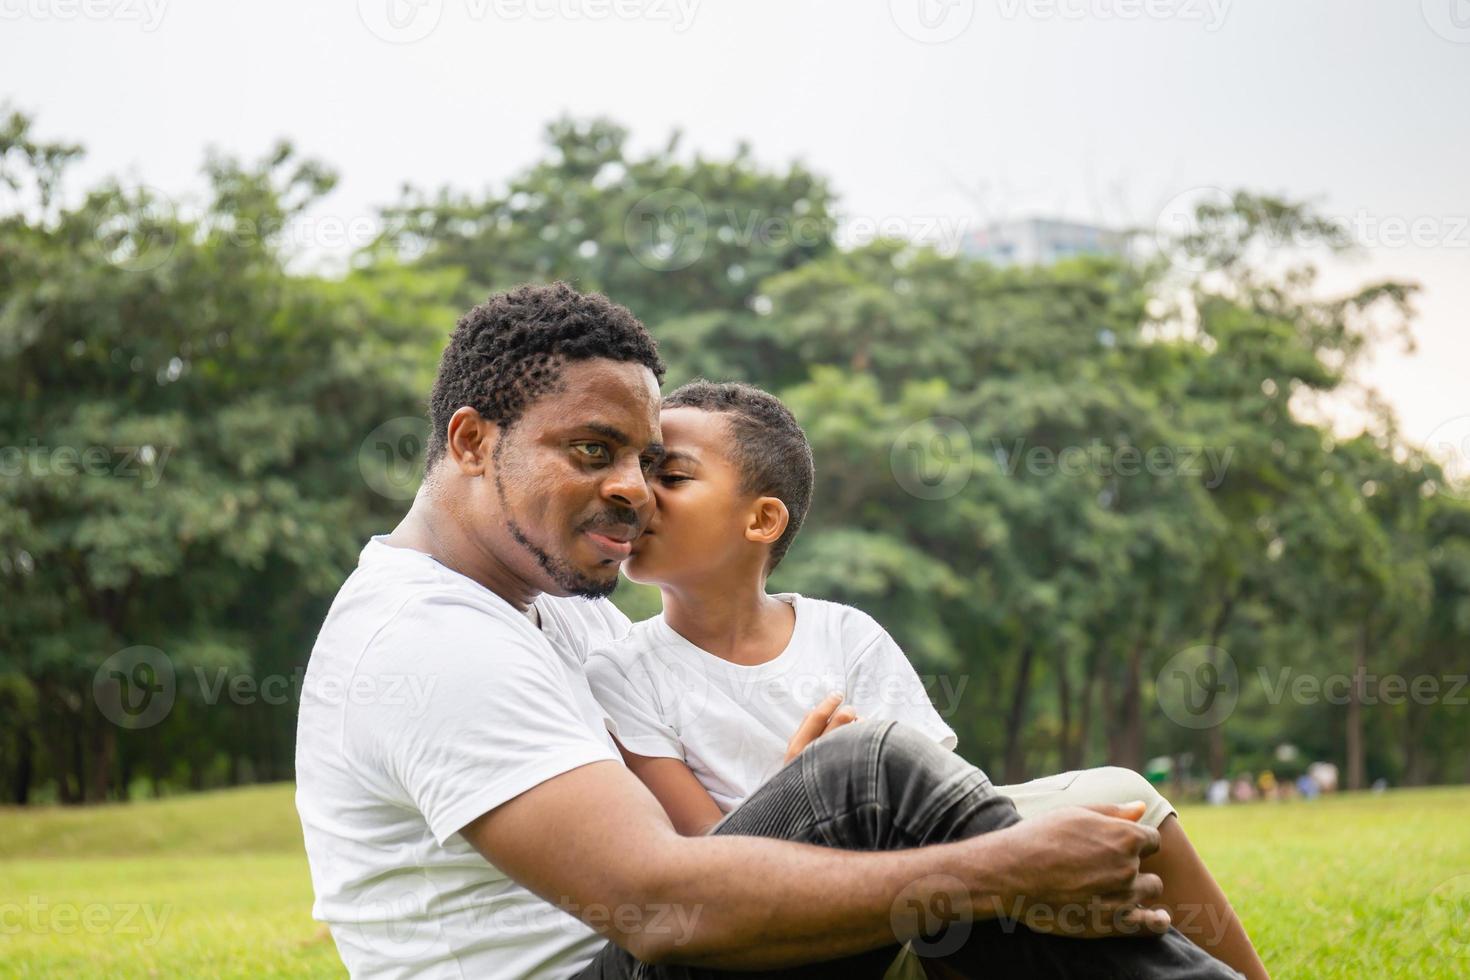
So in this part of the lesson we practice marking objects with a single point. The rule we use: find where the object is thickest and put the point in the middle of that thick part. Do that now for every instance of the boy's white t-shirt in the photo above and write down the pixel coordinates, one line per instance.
(428, 701)
(666, 697)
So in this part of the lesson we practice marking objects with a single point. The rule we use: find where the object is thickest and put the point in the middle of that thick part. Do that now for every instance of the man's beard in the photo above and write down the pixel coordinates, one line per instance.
(562, 572)
(566, 575)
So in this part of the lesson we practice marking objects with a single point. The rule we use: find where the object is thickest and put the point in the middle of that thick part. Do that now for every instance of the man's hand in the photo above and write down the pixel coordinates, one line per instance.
(1079, 869)
(822, 719)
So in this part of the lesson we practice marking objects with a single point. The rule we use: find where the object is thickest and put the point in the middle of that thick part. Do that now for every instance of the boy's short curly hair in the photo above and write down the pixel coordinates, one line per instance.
(771, 450)
(510, 349)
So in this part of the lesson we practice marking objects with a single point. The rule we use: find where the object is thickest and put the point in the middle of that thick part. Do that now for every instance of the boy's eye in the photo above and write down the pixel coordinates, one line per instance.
(669, 479)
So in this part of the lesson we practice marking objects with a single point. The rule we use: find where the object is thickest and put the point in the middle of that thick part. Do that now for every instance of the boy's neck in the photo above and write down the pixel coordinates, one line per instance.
(735, 622)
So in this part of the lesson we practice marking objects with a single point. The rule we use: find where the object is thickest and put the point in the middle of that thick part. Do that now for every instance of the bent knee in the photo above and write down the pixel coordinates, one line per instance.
(1117, 785)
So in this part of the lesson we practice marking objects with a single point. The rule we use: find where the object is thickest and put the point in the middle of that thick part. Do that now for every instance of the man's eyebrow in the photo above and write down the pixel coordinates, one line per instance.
(655, 449)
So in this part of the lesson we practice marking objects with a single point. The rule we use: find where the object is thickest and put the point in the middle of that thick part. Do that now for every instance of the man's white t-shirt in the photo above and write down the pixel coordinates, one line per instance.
(428, 701)
(666, 697)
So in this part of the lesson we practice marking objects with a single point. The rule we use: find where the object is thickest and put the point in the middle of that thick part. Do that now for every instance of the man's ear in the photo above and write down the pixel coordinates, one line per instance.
(768, 520)
(469, 441)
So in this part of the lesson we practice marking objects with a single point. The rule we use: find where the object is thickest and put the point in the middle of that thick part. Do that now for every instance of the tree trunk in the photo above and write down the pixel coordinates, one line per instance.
(1130, 743)
(104, 752)
(1356, 773)
(1064, 710)
(1080, 745)
(1015, 750)
(20, 783)
(1218, 756)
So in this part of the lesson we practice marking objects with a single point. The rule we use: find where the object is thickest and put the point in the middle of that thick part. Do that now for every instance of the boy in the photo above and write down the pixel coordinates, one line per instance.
(711, 697)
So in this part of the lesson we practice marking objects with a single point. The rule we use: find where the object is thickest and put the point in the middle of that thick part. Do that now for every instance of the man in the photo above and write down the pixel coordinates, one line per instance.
(467, 815)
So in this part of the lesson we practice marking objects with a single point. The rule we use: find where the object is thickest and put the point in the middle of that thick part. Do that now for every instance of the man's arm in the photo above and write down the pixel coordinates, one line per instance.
(595, 841)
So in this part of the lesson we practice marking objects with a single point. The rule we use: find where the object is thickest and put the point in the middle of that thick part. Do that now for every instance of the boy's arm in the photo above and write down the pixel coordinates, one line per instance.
(690, 807)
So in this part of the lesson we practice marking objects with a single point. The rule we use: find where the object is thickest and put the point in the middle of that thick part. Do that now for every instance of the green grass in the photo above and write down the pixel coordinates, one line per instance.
(216, 885)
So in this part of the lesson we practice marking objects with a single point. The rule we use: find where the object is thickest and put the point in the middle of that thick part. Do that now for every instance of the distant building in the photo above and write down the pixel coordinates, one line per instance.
(1040, 241)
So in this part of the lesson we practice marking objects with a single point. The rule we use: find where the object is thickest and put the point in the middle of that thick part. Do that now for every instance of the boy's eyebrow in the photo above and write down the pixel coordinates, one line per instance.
(678, 455)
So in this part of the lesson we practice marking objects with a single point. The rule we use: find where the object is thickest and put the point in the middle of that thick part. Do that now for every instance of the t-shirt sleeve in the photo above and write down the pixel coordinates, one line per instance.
(625, 687)
(882, 685)
(461, 711)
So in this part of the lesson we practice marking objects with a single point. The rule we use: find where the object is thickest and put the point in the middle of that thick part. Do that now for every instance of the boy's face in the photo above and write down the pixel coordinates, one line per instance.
(698, 528)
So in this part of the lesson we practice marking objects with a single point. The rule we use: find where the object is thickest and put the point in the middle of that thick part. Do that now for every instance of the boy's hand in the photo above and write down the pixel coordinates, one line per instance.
(819, 721)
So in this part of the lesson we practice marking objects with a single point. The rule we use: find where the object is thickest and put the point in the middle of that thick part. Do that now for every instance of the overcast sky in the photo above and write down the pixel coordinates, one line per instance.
(935, 113)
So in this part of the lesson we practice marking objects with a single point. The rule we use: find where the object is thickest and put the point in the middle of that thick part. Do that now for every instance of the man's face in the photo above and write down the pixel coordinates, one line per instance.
(699, 527)
(571, 477)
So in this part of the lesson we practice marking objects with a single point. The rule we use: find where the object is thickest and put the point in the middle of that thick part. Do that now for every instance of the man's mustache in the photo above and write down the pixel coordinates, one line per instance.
(619, 520)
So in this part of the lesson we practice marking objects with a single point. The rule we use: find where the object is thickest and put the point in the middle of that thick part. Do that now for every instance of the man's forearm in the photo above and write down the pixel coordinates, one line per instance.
(807, 903)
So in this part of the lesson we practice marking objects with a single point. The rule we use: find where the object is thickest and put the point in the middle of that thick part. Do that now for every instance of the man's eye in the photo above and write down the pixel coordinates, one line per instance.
(592, 450)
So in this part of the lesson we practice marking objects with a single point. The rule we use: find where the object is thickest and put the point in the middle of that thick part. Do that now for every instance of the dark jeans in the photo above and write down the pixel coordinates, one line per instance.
(875, 786)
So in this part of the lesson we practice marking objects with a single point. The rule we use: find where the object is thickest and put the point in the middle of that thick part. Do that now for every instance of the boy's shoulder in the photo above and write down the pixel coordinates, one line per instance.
(832, 617)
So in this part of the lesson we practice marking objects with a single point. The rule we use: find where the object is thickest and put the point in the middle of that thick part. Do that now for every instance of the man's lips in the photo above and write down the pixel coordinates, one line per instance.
(616, 545)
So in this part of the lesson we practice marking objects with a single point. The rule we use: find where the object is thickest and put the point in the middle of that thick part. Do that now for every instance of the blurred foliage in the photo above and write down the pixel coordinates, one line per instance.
(1046, 482)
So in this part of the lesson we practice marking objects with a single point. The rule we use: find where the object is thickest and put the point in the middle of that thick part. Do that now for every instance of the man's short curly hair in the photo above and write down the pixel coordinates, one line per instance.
(509, 350)
(771, 450)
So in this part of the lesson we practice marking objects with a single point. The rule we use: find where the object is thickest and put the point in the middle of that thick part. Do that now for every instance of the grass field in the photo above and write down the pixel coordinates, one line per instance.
(216, 885)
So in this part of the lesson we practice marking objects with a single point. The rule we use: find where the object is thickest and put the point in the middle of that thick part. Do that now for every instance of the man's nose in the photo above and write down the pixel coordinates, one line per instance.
(627, 484)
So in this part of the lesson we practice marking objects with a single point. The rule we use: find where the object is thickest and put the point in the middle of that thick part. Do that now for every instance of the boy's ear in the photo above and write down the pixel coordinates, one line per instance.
(768, 520)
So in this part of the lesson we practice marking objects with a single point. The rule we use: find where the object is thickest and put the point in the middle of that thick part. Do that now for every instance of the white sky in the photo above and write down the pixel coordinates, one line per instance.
(1102, 110)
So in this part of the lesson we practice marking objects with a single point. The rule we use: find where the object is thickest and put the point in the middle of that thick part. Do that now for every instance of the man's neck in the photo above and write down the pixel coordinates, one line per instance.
(432, 529)
(737, 622)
